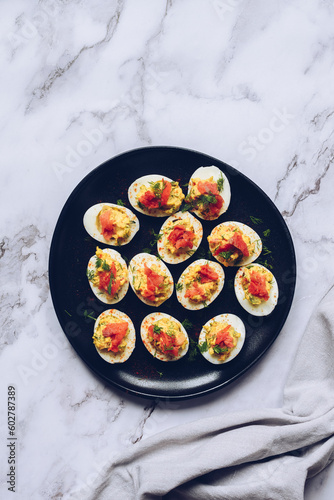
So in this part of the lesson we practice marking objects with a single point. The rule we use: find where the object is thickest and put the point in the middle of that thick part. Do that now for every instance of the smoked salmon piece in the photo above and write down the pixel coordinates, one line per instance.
(257, 285)
(154, 280)
(181, 238)
(167, 343)
(207, 187)
(193, 290)
(224, 339)
(153, 277)
(106, 276)
(238, 242)
(207, 274)
(211, 189)
(150, 199)
(223, 248)
(166, 192)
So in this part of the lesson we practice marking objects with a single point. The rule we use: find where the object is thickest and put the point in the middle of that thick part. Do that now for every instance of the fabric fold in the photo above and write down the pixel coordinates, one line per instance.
(251, 454)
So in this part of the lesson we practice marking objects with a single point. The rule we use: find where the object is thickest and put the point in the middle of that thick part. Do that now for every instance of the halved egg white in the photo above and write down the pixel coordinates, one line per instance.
(115, 357)
(100, 294)
(138, 262)
(153, 318)
(146, 180)
(90, 224)
(181, 287)
(263, 309)
(205, 173)
(248, 231)
(183, 253)
(239, 327)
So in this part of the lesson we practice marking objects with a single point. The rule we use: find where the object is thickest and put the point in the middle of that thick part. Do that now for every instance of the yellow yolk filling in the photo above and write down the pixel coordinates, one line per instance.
(246, 280)
(105, 261)
(140, 280)
(184, 222)
(173, 330)
(174, 201)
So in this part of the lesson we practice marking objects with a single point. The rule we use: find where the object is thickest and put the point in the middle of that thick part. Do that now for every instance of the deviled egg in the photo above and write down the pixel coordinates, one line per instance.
(209, 193)
(155, 195)
(222, 338)
(114, 336)
(107, 274)
(164, 336)
(234, 244)
(180, 236)
(111, 224)
(150, 279)
(256, 289)
(200, 284)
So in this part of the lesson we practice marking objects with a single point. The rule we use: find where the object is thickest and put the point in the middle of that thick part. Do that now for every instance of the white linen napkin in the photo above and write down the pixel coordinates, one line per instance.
(255, 454)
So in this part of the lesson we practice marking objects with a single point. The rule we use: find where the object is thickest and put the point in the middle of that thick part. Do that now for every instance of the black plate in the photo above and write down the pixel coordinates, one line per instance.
(72, 297)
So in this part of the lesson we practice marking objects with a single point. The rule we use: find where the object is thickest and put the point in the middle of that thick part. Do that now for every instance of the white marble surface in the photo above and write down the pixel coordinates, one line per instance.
(250, 83)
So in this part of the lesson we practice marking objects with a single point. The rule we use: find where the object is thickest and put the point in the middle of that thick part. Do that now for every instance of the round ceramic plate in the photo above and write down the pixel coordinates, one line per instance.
(76, 306)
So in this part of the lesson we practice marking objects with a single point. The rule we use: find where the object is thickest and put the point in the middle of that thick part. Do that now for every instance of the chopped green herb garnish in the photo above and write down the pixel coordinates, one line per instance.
(120, 203)
(126, 259)
(193, 349)
(205, 199)
(265, 250)
(186, 207)
(202, 254)
(90, 275)
(105, 266)
(158, 188)
(190, 252)
(230, 284)
(156, 237)
(226, 255)
(156, 329)
(110, 282)
(219, 350)
(68, 313)
(98, 262)
(266, 233)
(265, 263)
(179, 286)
